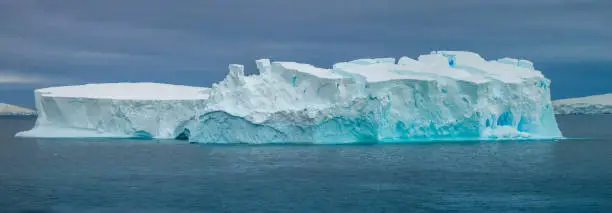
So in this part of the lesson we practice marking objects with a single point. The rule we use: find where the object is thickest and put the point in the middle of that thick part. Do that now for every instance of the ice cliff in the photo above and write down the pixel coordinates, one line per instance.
(597, 104)
(444, 95)
(116, 110)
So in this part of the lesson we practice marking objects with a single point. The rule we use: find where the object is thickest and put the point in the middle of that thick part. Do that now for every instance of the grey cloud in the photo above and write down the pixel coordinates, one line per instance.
(13, 77)
(192, 41)
(18, 47)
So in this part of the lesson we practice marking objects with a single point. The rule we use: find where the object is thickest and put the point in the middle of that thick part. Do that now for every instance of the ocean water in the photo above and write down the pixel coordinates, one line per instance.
(83, 176)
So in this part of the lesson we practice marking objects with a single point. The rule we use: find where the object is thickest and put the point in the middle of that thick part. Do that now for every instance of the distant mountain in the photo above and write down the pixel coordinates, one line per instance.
(12, 110)
(596, 104)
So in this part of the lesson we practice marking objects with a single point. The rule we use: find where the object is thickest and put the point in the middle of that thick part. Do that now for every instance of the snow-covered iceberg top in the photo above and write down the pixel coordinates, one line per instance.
(596, 104)
(444, 95)
(127, 91)
(12, 110)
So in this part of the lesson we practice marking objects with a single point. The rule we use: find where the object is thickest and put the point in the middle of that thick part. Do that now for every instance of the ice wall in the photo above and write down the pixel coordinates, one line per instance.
(118, 110)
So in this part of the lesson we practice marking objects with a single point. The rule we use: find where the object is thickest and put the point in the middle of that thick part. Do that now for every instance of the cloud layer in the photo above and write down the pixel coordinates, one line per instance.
(12, 77)
(192, 41)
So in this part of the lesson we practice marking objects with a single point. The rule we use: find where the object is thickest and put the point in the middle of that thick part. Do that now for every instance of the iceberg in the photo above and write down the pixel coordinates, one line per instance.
(444, 95)
(596, 104)
(12, 110)
(114, 110)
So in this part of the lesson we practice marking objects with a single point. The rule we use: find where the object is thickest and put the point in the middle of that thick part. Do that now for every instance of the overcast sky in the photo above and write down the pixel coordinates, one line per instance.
(44, 43)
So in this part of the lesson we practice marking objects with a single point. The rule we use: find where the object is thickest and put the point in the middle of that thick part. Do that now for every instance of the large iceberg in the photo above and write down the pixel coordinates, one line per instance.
(444, 95)
(596, 104)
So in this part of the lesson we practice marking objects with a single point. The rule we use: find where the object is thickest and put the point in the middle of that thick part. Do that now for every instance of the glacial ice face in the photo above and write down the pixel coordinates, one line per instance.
(596, 104)
(445, 95)
(120, 110)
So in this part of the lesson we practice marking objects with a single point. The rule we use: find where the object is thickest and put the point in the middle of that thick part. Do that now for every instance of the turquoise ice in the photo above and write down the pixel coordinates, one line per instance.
(444, 95)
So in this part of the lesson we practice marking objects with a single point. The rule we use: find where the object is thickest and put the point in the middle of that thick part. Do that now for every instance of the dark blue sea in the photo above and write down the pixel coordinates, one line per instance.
(99, 176)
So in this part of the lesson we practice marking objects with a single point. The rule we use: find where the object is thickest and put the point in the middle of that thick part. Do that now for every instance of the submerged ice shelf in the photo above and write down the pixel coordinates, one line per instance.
(444, 95)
